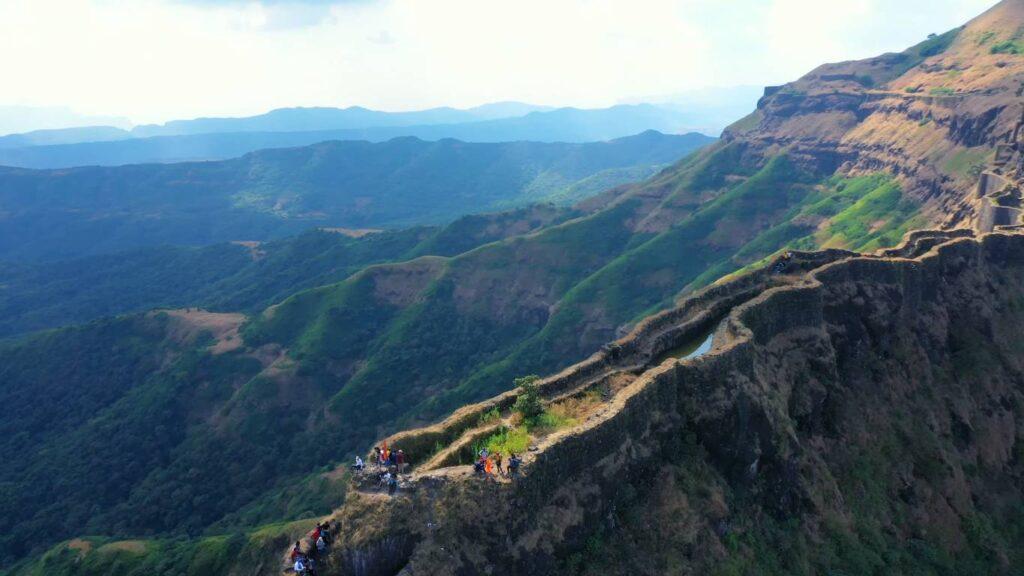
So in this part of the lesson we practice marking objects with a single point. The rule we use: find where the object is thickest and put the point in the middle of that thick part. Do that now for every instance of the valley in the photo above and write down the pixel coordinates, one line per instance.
(794, 349)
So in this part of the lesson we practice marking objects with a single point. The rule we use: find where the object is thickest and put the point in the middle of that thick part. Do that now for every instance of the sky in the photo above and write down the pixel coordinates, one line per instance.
(156, 60)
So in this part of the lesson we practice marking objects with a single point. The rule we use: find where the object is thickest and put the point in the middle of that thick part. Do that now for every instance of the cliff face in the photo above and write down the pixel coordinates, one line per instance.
(856, 411)
(933, 114)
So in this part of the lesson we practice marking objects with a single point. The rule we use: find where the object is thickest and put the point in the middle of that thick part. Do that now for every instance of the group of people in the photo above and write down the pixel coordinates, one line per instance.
(390, 463)
(783, 263)
(489, 464)
(304, 563)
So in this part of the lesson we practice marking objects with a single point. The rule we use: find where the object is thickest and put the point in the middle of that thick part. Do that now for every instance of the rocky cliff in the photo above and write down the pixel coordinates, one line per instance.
(874, 400)
(933, 114)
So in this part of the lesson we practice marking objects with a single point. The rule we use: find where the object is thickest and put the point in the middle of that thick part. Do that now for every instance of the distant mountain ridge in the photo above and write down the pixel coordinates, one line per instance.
(325, 118)
(218, 139)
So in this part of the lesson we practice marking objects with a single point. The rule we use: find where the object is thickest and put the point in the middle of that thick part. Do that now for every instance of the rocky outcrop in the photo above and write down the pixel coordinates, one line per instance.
(931, 115)
(814, 365)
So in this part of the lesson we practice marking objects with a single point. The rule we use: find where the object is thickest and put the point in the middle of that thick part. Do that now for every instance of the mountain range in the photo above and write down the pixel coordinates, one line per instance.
(860, 410)
(273, 193)
(220, 138)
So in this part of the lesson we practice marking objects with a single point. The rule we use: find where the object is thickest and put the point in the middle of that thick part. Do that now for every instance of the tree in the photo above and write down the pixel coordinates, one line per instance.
(528, 403)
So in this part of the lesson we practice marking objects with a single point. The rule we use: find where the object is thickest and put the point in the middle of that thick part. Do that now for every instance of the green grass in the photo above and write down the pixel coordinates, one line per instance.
(201, 556)
(513, 440)
(942, 91)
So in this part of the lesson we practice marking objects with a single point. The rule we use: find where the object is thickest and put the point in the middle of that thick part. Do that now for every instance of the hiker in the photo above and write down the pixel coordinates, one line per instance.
(325, 533)
(483, 452)
(497, 463)
(488, 467)
(401, 461)
(300, 565)
(359, 464)
(392, 458)
(385, 479)
(783, 263)
(478, 467)
(377, 456)
(513, 465)
(392, 485)
(321, 544)
(296, 552)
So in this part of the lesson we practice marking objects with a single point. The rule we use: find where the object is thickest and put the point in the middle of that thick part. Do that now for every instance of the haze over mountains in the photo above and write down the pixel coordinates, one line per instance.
(220, 138)
(855, 415)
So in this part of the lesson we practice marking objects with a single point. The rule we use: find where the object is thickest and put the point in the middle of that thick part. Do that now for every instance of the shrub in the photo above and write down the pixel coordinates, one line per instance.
(1006, 47)
(528, 404)
(490, 416)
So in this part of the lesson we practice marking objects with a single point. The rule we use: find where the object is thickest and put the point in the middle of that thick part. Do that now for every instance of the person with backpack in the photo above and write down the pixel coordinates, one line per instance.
(513, 465)
(325, 533)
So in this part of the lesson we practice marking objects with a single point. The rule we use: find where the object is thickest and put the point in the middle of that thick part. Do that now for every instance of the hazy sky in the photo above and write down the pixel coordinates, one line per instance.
(153, 60)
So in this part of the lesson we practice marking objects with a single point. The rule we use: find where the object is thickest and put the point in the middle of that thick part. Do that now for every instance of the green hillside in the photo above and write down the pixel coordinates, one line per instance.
(227, 425)
(271, 194)
(230, 277)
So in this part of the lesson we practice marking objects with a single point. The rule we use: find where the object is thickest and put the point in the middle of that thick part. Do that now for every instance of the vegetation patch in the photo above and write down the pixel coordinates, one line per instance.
(969, 162)
(1007, 47)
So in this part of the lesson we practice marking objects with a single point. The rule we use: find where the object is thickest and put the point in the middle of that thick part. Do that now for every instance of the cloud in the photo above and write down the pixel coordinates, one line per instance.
(154, 60)
(273, 15)
(382, 37)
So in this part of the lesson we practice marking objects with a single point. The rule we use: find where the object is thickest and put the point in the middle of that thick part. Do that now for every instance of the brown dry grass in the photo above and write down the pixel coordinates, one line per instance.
(189, 323)
(132, 546)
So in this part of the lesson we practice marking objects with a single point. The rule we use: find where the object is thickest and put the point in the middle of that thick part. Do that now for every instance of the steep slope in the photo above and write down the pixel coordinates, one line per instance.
(864, 417)
(274, 193)
(932, 115)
